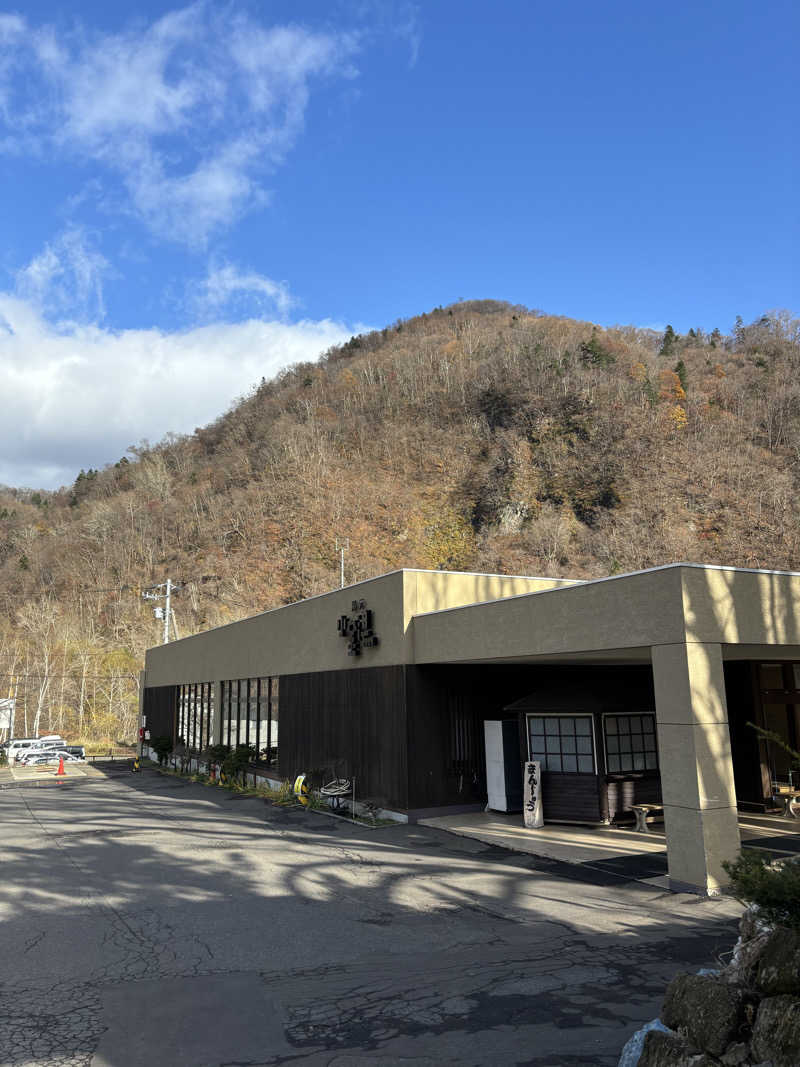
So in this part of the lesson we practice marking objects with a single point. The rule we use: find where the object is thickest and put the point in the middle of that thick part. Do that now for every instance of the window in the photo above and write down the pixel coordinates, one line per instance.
(250, 716)
(195, 714)
(266, 723)
(563, 743)
(630, 743)
(772, 676)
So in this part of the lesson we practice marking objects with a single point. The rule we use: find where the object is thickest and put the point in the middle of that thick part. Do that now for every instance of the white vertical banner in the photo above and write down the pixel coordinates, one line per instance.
(7, 713)
(532, 802)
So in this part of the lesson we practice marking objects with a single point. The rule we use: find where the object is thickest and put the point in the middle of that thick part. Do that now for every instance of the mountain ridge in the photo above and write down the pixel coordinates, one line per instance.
(479, 436)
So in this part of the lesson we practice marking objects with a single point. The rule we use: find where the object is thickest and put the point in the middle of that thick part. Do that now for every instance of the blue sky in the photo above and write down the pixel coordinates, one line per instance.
(197, 195)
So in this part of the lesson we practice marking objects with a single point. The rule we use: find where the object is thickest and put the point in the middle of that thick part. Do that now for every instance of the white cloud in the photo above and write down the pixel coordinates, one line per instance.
(395, 18)
(191, 111)
(83, 394)
(67, 276)
(226, 288)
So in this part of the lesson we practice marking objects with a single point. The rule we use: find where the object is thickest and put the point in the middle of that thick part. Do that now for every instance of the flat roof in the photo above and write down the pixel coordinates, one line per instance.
(608, 578)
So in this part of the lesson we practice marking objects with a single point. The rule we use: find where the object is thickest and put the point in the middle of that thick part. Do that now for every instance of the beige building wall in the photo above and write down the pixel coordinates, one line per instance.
(619, 613)
(302, 637)
(686, 618)
(698, 793)
(738, 607)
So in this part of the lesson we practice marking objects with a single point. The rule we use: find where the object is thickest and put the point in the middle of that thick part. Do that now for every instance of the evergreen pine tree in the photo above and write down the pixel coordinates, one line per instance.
(680, 370)
(668, 342)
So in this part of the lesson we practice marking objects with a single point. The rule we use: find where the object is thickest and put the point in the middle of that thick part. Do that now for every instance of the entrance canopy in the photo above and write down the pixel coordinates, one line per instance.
(683, 620)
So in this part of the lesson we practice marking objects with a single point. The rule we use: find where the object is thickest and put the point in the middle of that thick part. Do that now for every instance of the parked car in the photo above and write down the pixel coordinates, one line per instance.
(38, 759)
(42, 744)
(20, 745)
(26, 758)
(17, 745)
(49, 758)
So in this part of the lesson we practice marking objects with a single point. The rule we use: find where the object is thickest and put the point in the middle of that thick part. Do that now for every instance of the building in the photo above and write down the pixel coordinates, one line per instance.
(633, 688)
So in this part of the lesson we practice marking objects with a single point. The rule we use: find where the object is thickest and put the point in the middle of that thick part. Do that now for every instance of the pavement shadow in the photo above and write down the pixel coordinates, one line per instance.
(130, 895)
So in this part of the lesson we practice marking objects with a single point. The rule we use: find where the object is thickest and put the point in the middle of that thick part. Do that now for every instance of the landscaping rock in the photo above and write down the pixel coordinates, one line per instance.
(664, 1050)
(776, 1034)
(779, 963)
(737, 1055)
(752, 925)
(746, 956)
(707, 1009)
(629, 1057)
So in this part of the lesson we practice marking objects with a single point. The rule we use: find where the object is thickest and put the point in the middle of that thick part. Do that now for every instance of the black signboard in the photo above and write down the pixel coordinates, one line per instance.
(357, 628)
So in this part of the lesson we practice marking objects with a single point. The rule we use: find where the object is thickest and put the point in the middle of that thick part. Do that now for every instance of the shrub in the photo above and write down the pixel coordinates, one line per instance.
(235, 763)
(284, 794)
(774, 889)
(162, 747)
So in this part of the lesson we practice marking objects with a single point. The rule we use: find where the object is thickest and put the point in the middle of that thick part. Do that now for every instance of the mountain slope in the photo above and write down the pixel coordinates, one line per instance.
(481, 436)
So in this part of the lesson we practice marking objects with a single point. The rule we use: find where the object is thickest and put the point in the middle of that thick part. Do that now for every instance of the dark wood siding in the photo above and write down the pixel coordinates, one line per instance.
(748, 752)
(160, 705)
(571, 798)
(597, 691)
(347, 723)
(446, 710)
(413, 736)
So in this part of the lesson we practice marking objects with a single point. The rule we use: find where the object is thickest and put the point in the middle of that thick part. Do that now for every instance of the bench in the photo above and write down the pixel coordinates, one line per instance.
(641, 811)
(788, 797)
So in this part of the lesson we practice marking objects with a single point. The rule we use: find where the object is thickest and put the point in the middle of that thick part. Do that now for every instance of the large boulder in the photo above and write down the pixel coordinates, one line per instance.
(737, 1055)
(753, 937)
(776, 1033)
(669, 1050)
(779, 963)
(707, 1009)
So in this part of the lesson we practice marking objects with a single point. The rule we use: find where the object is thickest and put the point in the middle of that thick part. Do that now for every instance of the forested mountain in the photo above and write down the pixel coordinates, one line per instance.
(477, 437)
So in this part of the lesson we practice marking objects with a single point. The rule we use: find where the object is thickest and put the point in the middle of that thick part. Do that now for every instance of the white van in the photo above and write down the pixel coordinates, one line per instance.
(17, 745)
(20, 745)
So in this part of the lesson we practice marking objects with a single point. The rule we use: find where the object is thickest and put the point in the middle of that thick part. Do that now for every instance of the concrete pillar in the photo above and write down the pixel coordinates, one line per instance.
(699, 798)
(216, 722)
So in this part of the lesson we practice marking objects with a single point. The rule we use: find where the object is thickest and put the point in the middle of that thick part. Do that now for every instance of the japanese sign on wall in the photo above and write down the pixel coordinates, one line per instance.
(357, 629)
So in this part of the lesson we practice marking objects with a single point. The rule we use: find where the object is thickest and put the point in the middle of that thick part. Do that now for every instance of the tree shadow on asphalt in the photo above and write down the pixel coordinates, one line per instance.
(150, 876)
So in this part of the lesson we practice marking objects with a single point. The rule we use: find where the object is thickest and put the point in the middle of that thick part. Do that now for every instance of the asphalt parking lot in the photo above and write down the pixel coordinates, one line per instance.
(150, 921)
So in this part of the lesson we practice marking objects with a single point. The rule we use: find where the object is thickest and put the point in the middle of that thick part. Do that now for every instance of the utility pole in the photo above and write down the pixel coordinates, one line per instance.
(169, 609)
(341, 547)
(166, 613)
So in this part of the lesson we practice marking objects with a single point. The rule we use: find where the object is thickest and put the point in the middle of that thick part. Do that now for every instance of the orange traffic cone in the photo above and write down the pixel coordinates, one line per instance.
(61, 770)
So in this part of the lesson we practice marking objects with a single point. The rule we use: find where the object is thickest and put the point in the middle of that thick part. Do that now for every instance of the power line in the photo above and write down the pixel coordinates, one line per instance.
(74, 677)
(125, 588)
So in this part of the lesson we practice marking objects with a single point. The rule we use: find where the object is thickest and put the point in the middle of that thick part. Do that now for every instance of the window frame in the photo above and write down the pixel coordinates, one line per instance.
(565, 715)
(629, 715)
(256, 699)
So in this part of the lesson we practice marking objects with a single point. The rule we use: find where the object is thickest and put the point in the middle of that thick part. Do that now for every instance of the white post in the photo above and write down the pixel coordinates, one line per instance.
(340, 548)
(167, 611)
